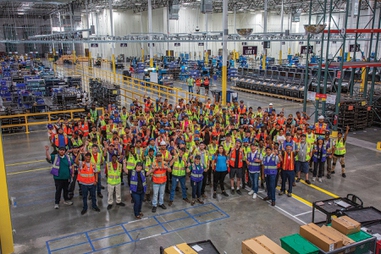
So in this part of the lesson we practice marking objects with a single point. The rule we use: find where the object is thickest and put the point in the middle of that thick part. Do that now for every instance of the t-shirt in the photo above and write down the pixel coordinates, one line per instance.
(220, 163)
(64, 171)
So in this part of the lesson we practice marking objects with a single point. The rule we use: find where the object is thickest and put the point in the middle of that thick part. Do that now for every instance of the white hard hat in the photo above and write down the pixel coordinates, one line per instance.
(270, 104)
(162, 143)
(321, 118)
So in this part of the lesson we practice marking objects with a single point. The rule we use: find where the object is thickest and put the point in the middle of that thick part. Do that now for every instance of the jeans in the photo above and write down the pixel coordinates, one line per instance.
(254, 181)
(61, 185)
(318, 165)
(270, 183)
(158, 192)
(190, 89)
(176, 179)
(287, 175)
(196, 189)
(85, 190)
(138, 201)
(99, 184)
(204, 180)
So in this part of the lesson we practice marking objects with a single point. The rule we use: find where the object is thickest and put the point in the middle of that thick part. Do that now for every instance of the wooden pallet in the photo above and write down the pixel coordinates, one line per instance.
(279, 96)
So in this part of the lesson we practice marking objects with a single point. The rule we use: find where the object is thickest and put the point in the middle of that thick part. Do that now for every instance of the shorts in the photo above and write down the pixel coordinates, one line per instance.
(301, 166)
(238, 172)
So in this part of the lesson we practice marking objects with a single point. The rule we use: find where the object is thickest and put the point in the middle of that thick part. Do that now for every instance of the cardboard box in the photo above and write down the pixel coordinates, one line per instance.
(182, 248)
(322, 240)
(261, 245)
(345, 239)
(346, 225)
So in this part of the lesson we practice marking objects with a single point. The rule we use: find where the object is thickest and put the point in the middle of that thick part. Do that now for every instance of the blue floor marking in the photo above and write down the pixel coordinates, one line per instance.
(163, 225)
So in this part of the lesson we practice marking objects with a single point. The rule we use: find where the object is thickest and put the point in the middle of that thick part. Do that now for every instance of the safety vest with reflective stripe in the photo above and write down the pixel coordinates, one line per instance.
(76, 142)
(124, 117)
(253, 166)
(93, 115)
(310, 138)
(113, 175)
(288, 161)
(85, 129)
(97, 163)
(246, 150)
(197, 173)
(131, 162)
(270, 166)
(149, 162)
(323, 154)
(233, 158)
(212, 150)
(178, 167)
(134, 181)
(57, 140)
(320, 130)
(308, 151)
(86, 174)
(340, 147)
(159, 175)
(227, 147)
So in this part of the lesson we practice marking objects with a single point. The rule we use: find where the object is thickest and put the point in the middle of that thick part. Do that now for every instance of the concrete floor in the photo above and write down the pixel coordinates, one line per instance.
(38, 228)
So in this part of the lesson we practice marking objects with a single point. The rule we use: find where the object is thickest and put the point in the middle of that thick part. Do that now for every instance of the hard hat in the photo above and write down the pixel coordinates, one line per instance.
(321, 118)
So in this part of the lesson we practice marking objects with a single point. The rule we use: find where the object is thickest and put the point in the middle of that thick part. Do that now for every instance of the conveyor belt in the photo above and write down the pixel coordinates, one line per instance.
(279, 96)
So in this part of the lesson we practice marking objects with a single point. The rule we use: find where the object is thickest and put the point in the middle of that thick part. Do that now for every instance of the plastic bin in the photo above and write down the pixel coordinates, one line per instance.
(296, 244)
(366, 246)
(378, 247)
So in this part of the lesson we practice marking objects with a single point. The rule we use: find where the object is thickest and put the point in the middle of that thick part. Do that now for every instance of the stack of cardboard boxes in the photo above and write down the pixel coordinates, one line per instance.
(261, 245)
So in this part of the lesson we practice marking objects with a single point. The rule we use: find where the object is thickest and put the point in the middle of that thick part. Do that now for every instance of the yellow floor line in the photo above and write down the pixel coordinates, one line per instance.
(320, 189)
(23, 163)
(27, 171)
(308, 203)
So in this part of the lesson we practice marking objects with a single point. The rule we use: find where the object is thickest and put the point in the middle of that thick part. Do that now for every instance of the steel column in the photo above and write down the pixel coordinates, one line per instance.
(225, 50)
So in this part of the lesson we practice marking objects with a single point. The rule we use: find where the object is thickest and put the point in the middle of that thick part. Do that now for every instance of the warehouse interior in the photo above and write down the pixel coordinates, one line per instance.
(315, 56)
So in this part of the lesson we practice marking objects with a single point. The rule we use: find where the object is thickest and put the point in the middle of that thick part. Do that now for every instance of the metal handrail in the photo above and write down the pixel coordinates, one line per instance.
(26, 124)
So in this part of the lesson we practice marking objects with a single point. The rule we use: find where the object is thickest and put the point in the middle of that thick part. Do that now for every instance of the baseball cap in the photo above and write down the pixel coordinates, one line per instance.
(62, 148)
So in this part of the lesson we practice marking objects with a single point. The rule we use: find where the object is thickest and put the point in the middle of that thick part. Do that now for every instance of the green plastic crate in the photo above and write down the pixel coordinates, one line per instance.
(360, 236)
(296, 244)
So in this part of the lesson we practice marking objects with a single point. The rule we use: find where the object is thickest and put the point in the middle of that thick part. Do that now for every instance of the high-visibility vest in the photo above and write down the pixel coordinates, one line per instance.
(241, 110)
(109, 129)
(197, 172)
(310, 138)
(308, 151)
(227, 147)
(85, 129)
(246, 150)
(57, 141)
(56, 163)
(139, 153)
(113, 175)
(323, 154)
(320, 130)
(134, 181)
(288, 161)
(233, 158)
(95, 135)
(271, 165)
(76, 142)
(212, 150)
(206, 156)
(148, 163)
(159, 175)
(97, 163)
(86, 174)
(93, 115)
(340, 147)
(131, 162)
(178, 167)
(66, 129)
(124, 117)
(253, 166)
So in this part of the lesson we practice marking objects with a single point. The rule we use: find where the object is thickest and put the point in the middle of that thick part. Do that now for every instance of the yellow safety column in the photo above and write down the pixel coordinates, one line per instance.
(224, 51)
(289, 51)
(113, 66)
(6, 234)
(206, 57)
(363, 77)
(280, 56)
(264, 60)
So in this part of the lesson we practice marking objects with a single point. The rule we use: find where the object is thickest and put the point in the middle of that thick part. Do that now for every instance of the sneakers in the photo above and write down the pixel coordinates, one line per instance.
(297, 179)
(232, 191)
(109, 207)
(68, 202)
(170, 203)
(320, 180)
(83, 211)
(251, 192)
(214, 195)
(273, 203)
(96, 209)
(56, 206)
(308, 182)
(200, 201)
(266, 198)
(328, 176)
(163, 206)
(239, 192)
(313, 179)
(193, 202)
(154, 209)
(225, 194)
(254, 195)
(281, 193)
(121, 204)
(332, 172)
(343, 175)
(289, 195)
(203, 195)
(100, 195)
(186, 200)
